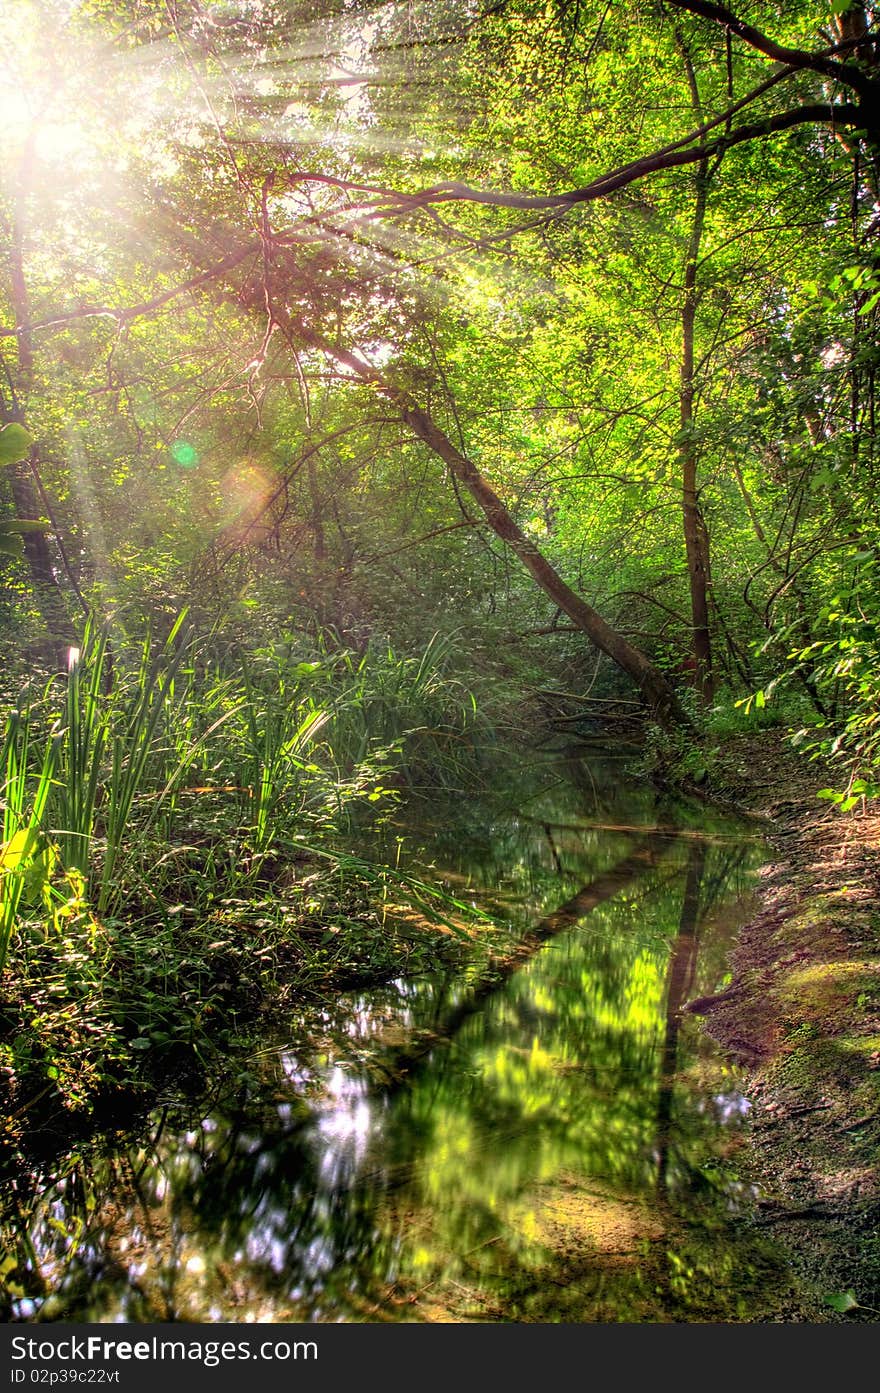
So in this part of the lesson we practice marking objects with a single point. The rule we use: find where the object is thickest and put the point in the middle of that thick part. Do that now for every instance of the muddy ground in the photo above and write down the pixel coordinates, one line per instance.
(803, 1016)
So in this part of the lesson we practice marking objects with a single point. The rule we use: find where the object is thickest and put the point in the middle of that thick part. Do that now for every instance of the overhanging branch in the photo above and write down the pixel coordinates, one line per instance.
(389, 203)
(846, 74)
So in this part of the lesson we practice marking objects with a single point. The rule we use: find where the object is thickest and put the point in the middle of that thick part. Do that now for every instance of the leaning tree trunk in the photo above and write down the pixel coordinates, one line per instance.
(656, 692)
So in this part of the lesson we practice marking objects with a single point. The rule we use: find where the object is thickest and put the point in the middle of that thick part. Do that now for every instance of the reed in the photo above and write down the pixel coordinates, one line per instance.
(409, 711)
(275, 770)
(156, 815)
(111, 753)
(25, 854)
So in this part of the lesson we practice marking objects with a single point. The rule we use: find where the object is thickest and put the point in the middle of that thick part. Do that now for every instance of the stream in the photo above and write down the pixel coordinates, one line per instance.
(548, 1140)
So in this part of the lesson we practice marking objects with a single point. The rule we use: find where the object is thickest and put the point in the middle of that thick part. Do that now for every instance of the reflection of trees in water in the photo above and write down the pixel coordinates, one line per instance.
(679, 983)
(592, 1097)
(559, 1062)
(497, 842)
(229, 1218)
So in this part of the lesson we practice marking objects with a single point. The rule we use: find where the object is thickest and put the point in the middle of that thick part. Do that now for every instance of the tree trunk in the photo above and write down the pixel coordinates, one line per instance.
(25, 475)
(696, 538)
(655, 691)
(60, 633)
(317, 514)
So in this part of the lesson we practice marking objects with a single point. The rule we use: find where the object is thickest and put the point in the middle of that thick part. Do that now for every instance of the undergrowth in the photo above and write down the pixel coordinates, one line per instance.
(174, 855)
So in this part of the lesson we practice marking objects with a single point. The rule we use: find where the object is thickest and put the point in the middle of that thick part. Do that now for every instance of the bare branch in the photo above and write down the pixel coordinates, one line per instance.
(671, 157)
(123, 314)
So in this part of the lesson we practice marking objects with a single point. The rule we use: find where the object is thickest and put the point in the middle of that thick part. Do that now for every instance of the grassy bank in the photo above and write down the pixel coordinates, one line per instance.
(803, 1015)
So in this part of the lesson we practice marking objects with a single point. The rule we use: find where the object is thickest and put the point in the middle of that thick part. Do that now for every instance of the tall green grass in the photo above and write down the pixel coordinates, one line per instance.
(180, 772)
(274, 768)
(112, 751)
(410, 708)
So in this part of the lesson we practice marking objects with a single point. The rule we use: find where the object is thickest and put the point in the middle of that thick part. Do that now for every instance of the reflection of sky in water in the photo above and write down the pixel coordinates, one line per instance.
(731, 1106)
(345, 1121)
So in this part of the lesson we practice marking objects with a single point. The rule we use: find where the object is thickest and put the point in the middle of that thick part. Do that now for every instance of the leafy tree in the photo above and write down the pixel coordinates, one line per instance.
(605, 306)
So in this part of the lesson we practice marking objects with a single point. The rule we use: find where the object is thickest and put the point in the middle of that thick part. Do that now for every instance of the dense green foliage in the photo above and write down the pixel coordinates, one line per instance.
(245, 244)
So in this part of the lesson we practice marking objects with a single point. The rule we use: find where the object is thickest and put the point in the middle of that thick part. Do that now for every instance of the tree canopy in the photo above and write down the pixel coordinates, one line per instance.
(553, 323)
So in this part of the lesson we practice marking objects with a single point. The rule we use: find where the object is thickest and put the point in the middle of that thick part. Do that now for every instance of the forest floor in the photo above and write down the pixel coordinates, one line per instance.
(802, 1016)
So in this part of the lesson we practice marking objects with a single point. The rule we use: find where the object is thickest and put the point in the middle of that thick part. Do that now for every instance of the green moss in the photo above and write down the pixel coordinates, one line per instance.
(826, 993)
(815, 1067)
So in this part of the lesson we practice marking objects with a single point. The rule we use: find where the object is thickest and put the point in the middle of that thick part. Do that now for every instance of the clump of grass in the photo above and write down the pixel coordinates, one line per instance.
(410, 711)
(112, 753)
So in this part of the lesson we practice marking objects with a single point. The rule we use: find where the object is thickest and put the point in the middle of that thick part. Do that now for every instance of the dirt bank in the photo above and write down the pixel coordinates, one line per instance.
(803, 1016)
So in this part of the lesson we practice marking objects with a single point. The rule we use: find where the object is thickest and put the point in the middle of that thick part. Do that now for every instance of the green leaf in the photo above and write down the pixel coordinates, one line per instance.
(842, 1301)
(865, 789)
(20, 525)
(29, 855)
(11, 531)
(15, 443)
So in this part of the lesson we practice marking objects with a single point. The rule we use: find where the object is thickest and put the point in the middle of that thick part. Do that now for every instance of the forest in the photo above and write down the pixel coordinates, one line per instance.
(396, 396)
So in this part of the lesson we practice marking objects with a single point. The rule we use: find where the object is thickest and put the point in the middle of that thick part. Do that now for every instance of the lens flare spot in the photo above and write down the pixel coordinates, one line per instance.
(246, 490)
(184, 454)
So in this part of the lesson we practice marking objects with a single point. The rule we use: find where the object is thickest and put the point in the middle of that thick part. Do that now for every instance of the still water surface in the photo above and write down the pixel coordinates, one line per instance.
(549, 1140)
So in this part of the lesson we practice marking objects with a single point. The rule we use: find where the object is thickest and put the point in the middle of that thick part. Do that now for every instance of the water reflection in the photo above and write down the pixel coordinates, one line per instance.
(550, 1141)
(679, 983)
(346, 1123)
